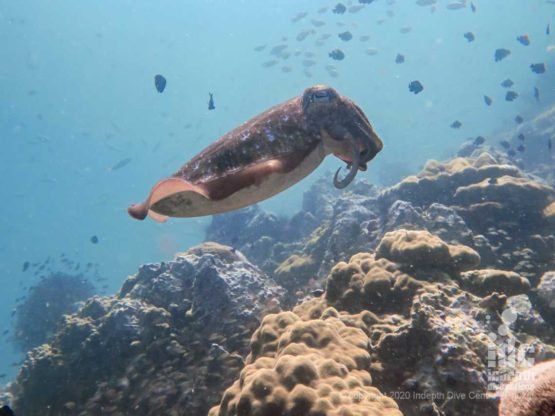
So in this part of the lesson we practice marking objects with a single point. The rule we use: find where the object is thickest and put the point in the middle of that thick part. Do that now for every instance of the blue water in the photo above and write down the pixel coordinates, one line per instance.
(77, 96)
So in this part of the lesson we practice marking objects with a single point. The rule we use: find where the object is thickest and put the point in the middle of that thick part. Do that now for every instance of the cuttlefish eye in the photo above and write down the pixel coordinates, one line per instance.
(319, 94)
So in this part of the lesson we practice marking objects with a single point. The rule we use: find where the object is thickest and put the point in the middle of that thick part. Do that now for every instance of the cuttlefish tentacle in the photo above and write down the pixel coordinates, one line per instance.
(265, 156)
(353, 167)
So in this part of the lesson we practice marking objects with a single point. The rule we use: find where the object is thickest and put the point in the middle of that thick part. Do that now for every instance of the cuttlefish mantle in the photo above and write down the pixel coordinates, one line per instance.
(265, 156)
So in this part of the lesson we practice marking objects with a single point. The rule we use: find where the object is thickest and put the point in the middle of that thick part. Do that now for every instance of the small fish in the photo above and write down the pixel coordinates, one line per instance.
(492, 181)
(472, 7)
(549, 144)
(399, 59)
(538, 68)
(94, 239)
(523, 39)
(521, 137)
(501, 54)
(371, 51)
(511, 96)
(259, 48)
(480, 140)
(536, 93)
(211, 105)
(469, 36)
(299, 16)
(519, 119)
(487, 100)
(25, 267)
(505, 144)
(364, 38)
(339, 8)
(269, 64)
(302, 35)
(345, 36)
(317, 23)
(456, 5)
(5, 332)
(121, 163)
(456, 124)
(356, 8)
(3, 375)
(416, 87)
(508, 83)
(511, 153)
(521, 148)
(548, 29)
(337, 54)
(405, 30)
(160, 83)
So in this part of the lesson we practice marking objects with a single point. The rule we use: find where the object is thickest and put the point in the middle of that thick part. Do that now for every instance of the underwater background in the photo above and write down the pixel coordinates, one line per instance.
(84, 132)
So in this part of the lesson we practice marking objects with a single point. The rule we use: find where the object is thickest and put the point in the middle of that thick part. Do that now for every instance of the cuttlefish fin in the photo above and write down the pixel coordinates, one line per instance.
(161, 190)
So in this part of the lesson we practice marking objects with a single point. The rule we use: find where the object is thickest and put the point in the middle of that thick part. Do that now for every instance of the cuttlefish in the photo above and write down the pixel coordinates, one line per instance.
(265, 156)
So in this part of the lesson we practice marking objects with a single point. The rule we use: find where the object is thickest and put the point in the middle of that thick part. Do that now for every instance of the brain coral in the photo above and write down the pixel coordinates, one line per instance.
(421, 249)
(531, 393)
(312, 367)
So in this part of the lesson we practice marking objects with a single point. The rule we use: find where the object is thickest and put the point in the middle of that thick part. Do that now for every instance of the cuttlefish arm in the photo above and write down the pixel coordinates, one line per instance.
(266, 155)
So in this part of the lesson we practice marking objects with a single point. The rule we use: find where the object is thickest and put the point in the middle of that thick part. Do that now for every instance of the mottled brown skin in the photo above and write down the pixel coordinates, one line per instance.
(235, 171)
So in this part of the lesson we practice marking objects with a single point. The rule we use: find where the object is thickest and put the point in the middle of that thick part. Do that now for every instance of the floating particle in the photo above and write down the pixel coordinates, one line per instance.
(339, 8)
(511, 96)
(508, 83)
(160, 83)
(345, 36)
(416, 87)
(337, 54)
(487, 100)
(478, 141)
(538, 68)
(523, 39)
(469, 36)
(501, 54)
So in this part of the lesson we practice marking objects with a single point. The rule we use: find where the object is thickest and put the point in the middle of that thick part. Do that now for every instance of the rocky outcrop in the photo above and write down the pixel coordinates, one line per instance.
(168, 343)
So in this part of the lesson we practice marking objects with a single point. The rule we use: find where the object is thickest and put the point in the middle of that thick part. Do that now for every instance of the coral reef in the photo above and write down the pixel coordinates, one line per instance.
(48, 300)
(168, 343)
(430, 343)
(531, 393)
